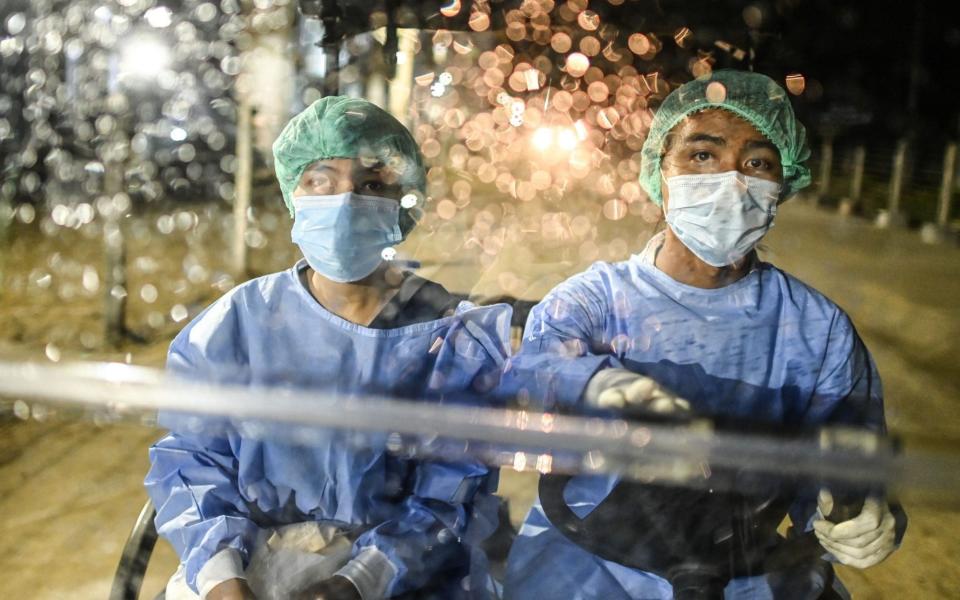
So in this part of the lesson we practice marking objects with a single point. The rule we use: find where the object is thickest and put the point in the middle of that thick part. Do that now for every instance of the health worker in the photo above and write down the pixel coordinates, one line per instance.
(255, 517)
(698, 323)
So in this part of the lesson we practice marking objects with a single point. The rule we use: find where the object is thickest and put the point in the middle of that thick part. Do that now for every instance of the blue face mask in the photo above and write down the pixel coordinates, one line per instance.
(343, 236)
(720, 217)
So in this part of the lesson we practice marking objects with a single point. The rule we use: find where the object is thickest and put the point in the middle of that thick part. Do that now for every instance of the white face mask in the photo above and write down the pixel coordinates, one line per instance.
(720, 217)
(343, 236)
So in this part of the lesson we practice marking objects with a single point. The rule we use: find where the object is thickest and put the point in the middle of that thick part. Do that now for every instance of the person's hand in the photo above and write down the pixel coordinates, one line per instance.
(861, 542)
(619, 388)
(333, 588)
(231, 589)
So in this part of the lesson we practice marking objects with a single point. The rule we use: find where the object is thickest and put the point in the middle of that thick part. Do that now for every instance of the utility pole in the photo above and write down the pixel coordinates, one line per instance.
(243, 188)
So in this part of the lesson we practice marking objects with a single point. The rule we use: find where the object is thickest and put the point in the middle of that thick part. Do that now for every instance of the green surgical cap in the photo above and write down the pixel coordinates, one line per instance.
(752, 96)
(341, 127)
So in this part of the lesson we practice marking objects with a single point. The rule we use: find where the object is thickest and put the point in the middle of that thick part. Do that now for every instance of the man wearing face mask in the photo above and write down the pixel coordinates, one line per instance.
(697, 322)
(260, 517)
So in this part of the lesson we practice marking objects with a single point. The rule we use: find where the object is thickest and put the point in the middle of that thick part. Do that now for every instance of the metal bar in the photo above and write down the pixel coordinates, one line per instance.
(681, 453)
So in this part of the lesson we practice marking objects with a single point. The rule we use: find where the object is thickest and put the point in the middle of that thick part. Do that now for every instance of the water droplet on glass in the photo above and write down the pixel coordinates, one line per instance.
(91, 280)
(479, 21)
(561, 42)
(753, 16)
(590, 46)
(446, 209)
(158, 17)
(588, 20)
(682, 36)
(796, 83)
(21, 410)
(519, 461)
(15, 23)
(394, 442)
(445, 536)
(577, 64)
(52, 352)
(716, 92)
(178, 313)
(615, 209)
(450, 9)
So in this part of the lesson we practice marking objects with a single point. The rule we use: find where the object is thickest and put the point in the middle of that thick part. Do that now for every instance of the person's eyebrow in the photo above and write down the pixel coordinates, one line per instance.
(761, 145)
(374, 169)
(320, 167)
(704, 137)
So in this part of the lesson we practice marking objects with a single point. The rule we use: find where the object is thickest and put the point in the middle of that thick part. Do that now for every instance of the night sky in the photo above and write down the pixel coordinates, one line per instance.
(862, 53)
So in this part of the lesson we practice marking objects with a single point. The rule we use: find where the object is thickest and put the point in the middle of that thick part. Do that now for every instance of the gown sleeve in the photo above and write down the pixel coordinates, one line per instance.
(193, 478)
(562, 346)
(848, 392)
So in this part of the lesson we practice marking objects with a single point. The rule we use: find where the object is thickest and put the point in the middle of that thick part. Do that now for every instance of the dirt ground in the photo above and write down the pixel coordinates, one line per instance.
(71, 490)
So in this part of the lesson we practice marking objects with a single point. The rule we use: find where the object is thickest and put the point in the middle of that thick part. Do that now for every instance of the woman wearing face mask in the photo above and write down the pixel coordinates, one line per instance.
(263, 518)
(697, 322)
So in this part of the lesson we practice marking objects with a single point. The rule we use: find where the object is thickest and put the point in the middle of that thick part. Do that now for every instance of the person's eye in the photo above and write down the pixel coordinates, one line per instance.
(701, 156)
(318, 184)
(758, 164)
(374, 186)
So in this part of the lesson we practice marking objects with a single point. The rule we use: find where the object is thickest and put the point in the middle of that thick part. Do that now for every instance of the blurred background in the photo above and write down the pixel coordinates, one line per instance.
(136, 186)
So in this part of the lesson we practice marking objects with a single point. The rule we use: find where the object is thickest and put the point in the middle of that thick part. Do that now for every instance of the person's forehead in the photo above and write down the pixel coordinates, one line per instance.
(719, 123)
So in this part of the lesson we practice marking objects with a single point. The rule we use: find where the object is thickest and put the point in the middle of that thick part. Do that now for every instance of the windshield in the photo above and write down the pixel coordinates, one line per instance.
(497, 299)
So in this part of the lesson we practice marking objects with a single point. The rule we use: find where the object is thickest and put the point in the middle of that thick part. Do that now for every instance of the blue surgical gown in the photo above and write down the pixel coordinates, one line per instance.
(216, 490)
(766, 348)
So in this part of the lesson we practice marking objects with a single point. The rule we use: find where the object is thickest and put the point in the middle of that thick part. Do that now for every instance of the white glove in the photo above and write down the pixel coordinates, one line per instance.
(861, 542)
(618, 388)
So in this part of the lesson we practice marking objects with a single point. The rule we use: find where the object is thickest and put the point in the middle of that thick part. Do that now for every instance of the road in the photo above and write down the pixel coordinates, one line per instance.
(70, 490)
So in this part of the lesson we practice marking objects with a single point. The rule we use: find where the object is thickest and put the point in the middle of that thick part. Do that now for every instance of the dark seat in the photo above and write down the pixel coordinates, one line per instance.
(135, 556)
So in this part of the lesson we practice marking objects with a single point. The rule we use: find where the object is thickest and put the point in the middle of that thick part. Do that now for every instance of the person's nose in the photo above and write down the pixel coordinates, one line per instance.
(729, 162)
(344, 186)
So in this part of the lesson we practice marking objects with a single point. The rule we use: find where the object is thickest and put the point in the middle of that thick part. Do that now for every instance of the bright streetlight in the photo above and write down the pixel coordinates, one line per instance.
(548, 138)
(142, 58)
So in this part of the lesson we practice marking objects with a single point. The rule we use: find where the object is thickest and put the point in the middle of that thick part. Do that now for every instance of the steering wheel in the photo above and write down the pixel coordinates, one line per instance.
(697, 539)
